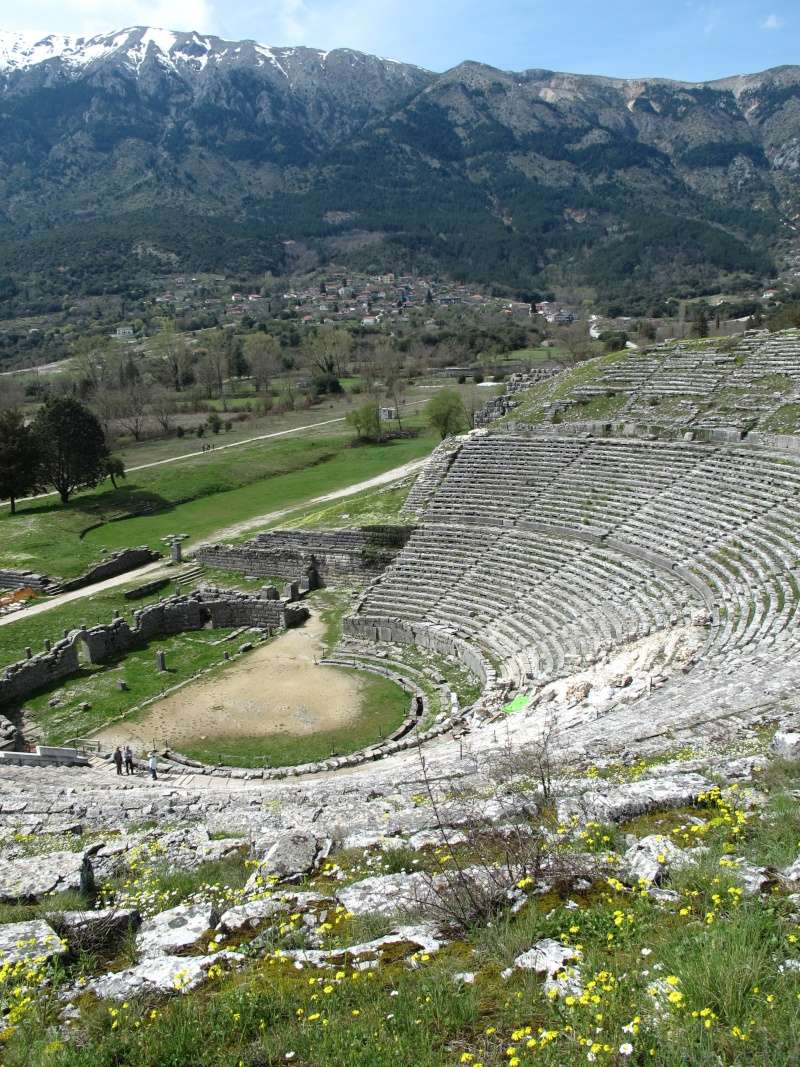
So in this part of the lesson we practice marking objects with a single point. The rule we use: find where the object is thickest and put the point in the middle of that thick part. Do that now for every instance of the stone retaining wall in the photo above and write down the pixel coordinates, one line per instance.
(127, 559)
(216, 608)
(287, 553)
(397, 631)
(499, 406)
(12, 579)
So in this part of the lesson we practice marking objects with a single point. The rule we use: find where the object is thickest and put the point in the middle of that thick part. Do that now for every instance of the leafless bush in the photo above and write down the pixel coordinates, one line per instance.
(498, 839)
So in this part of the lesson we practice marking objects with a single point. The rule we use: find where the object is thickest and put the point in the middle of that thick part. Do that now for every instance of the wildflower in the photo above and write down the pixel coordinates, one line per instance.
(626, 1049)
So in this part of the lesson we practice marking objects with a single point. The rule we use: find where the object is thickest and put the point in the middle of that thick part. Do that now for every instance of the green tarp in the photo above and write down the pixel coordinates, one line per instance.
(517, 704)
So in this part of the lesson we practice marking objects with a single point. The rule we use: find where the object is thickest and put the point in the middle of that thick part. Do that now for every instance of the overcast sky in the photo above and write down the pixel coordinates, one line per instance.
(685, 39)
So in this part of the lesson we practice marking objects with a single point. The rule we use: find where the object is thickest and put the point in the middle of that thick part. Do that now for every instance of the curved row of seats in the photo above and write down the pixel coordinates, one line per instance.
(547, 552)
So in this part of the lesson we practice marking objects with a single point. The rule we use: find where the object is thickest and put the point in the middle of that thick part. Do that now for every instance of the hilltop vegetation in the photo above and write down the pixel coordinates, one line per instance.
(500, 178)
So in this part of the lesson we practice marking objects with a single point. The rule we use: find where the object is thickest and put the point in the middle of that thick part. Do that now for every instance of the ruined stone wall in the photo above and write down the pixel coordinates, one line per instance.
(29, 675)
(287, 553)
(498, 406)
(127, 559)
(217, 608)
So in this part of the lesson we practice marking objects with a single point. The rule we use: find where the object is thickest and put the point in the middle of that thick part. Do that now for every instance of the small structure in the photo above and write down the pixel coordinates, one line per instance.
(174, 543)
(387, 414)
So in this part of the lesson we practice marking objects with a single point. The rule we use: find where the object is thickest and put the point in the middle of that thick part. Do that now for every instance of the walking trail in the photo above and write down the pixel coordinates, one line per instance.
(395, 475)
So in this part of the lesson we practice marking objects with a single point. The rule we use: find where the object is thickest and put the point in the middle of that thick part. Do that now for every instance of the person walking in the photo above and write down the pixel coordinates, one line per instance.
(118, 759)
(127, 752)
(152, 763)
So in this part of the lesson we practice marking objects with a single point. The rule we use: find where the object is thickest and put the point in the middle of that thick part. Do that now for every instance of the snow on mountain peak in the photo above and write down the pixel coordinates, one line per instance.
(179, 52)
(18, 50)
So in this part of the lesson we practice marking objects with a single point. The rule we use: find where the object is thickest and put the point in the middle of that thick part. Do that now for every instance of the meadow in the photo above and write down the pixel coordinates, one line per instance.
(198, 496)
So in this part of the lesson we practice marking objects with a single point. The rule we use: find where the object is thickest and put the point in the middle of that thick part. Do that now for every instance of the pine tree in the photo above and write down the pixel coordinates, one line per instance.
(71, 445)
(19, 458)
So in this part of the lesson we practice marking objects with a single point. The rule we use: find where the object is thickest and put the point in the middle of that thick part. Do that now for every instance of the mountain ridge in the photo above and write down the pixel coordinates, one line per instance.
(528, 179)
(35, 50)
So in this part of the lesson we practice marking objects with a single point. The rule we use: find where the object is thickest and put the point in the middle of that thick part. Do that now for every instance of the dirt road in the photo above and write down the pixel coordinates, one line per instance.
(153, 569)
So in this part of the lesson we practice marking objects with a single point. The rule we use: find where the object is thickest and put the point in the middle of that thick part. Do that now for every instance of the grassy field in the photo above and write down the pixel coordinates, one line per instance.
(384, 705)
(97, 685)
(198, 497)
(373, 507)
(534, 402)
(537, 355)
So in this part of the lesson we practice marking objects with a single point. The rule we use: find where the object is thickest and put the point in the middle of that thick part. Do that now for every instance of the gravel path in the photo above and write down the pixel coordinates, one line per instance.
(153, 569)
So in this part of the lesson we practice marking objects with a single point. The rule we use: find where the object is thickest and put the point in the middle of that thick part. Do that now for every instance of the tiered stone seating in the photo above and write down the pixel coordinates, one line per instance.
(702, 386)
(546, 552)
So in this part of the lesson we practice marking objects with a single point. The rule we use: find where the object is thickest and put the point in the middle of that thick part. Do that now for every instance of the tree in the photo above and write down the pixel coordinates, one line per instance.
(115, 468)
(700, 325)
(262, 352)
(213, 364)
(134, 405)
(328, 349)
(72, 446)
(163, 408)
(366, 421)
(19, 458)
(445, 413)
(172, 349)
(13, 393)
(395, 386)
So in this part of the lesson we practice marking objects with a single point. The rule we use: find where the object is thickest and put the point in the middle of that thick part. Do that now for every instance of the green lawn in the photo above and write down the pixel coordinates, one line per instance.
(373, 507)
(187, 654)
(198, 497)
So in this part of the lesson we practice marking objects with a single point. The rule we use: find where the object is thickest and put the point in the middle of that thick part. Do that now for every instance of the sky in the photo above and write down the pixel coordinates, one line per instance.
(693, 40)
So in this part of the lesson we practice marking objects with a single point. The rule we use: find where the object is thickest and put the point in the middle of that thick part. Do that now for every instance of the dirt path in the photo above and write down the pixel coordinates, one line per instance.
(221, 448)
(215, 451)
(278, 688)
(154, 569)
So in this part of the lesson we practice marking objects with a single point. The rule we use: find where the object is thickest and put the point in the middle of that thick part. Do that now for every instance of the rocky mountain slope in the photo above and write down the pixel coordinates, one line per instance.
(228, 150)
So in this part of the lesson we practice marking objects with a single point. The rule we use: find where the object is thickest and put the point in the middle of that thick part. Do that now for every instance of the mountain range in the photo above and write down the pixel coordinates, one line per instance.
(142, 146)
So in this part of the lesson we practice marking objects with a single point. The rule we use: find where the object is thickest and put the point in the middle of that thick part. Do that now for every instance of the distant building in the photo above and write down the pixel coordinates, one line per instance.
(387, 414)
(123, 333)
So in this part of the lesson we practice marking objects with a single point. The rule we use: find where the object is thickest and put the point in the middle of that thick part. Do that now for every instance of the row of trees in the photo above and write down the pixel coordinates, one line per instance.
(63, 448)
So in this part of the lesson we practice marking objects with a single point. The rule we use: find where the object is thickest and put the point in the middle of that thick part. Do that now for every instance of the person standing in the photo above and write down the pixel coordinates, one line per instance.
(118, 759)
(152, 763)
(127, 752)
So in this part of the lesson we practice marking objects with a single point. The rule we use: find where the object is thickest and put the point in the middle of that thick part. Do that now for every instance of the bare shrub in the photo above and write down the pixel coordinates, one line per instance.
(498, 838)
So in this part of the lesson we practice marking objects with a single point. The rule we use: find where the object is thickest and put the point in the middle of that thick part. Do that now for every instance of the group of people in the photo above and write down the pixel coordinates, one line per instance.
(125, 756)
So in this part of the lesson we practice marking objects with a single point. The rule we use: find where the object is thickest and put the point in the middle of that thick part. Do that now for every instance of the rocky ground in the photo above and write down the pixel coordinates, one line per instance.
(528, 911)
